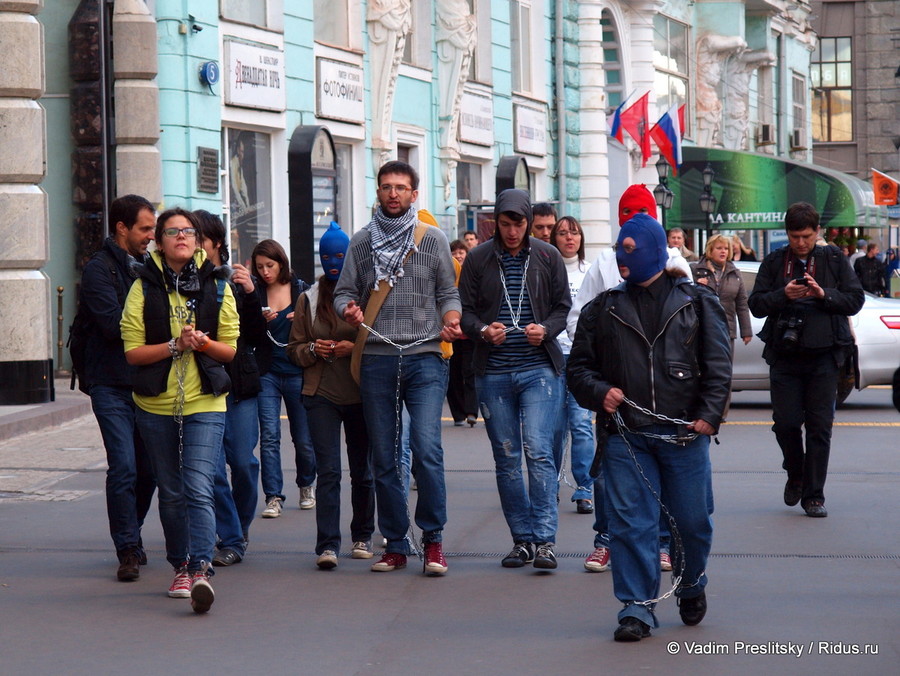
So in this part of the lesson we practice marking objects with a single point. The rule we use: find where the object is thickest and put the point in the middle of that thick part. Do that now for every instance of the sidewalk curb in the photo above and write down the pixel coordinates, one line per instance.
(69, 405)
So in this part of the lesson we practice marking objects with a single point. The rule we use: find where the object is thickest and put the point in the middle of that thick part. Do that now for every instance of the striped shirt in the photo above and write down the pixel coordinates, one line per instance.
(515, 354)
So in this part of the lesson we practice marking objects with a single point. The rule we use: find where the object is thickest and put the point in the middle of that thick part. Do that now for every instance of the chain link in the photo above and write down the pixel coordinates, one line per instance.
(418, 549)
(180, 367)
(516, 315)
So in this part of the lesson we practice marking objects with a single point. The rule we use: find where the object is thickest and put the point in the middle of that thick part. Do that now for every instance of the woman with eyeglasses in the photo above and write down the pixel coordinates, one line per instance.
(281, 380)
(568, 237)
(180, 326)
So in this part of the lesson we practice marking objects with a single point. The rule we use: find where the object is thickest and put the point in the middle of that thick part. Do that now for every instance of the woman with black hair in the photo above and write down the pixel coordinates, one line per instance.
(279, 290)
(236, 502)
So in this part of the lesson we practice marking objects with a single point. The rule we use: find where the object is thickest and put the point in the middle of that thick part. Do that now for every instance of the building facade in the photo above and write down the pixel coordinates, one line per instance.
(276, 114)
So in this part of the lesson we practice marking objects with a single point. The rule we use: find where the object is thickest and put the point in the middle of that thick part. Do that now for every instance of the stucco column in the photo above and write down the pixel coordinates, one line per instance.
(26, 365)
(135, 63)
(640, 15)
(594, 164)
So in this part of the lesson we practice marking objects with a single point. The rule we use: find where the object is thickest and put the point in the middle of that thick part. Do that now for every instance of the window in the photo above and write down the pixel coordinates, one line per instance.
(344, 161)
(468, 191)
(612, 61)
(417, 49)
(263, 13)
(670, 59)
(798, 100)
(520, 45)
(249, 190)
(480, 65)
(332, 22)
(831, 76)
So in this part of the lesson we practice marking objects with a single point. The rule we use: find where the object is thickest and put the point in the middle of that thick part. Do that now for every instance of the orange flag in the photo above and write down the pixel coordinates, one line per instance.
(884, 187)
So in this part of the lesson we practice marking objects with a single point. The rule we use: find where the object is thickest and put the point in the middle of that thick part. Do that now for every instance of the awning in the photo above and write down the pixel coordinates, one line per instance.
(754, 190)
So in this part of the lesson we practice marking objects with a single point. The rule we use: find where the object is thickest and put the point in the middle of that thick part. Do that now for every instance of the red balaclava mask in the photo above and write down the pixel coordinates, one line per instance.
(635, 198)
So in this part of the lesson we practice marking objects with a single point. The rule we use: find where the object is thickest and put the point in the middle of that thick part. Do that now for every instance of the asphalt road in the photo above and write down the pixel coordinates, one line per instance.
(779, 581)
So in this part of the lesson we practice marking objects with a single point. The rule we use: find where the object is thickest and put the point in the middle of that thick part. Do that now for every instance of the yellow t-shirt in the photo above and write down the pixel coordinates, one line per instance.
(133, 335)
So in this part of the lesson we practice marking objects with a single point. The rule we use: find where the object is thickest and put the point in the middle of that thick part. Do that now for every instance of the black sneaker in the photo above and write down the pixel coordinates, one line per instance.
(631, 629)
(692, 610)
(522, 553)
(793, 491)
(815, 509)
(544, 558)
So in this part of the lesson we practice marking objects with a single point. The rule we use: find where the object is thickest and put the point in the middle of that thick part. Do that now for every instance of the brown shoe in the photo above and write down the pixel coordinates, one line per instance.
(129, 567)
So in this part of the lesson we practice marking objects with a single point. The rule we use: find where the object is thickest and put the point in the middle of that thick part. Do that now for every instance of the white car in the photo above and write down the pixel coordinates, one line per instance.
(877, 331)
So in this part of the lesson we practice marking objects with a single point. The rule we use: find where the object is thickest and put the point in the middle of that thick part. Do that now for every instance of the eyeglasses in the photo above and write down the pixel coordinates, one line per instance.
(399, 189)
(174, 232)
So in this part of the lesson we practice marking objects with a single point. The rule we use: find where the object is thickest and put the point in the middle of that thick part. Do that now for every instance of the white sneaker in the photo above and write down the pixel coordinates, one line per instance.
(307, 497)
(361, 550)
(327, 560)
(273, 509)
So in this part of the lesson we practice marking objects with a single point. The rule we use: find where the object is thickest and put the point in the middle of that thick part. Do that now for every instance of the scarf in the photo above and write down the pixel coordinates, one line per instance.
(187, 281)
(392, 239)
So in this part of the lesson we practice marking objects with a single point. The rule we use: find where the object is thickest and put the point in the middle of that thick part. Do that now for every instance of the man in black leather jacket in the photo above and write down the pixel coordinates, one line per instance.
(663, 343)
(806, 292)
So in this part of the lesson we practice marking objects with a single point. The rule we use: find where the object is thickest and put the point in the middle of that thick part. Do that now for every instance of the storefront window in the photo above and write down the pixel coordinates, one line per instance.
(249, 190)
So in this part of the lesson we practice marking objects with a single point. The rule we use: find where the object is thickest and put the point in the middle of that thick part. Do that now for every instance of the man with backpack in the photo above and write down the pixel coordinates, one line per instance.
(98, 357)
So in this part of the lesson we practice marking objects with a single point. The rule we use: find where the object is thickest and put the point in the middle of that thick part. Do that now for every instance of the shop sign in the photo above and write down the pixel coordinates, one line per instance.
(340, 91)
(530, 130)
(254, 76)
(476, 119)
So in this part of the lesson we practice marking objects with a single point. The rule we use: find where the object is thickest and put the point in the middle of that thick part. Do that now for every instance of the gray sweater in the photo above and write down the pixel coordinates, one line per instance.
(414, 308)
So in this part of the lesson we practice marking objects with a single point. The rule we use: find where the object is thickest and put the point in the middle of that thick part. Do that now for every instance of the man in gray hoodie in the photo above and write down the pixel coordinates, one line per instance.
(515, 298)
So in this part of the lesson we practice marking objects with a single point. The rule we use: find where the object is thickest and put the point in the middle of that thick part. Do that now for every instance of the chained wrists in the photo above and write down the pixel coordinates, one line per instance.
(173, 348)
(312, 348)
(483, 329)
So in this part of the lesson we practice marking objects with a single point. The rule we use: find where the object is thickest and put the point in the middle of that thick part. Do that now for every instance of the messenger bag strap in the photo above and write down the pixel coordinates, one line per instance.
(373, 307)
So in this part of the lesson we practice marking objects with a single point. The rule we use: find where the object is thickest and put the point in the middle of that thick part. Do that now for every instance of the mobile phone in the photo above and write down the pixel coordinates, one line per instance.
(265, 309)
(803, 281)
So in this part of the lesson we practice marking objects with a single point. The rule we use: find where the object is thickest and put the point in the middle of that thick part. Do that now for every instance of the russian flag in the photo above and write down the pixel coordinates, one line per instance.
(616, 131)
(667, 133)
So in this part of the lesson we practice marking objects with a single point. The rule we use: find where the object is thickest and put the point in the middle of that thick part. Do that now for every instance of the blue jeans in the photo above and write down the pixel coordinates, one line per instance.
(680, 473)
(275, 388)
(185, 485)
(576, 421)
(601, 520)
(520, 411)
(129, 477)
(423, 384)
(325, 419)
(236, 503)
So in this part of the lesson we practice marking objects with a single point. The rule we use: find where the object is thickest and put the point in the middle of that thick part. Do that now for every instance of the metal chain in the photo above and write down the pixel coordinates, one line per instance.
(418, 549)
(677, 547)
(514, 314)
(180, 366)
(272, 338)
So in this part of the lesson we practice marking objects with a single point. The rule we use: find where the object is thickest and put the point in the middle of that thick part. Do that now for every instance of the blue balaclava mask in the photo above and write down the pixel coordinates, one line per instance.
(332, 249)
(650, 254)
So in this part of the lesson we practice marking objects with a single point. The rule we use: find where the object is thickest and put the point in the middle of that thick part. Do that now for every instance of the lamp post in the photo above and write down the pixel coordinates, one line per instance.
(707, 199)
(661, 193)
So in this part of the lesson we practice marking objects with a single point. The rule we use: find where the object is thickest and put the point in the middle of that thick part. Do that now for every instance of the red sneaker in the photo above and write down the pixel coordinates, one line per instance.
(665, 561)
(598, 561)
(435, 563)
(181, 585)
(390, 561)
(202, 594)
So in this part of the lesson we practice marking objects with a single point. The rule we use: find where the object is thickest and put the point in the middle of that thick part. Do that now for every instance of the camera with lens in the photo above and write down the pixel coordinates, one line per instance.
(790, 328)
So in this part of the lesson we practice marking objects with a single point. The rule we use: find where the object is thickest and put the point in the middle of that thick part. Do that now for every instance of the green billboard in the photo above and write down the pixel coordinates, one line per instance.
(754, 191)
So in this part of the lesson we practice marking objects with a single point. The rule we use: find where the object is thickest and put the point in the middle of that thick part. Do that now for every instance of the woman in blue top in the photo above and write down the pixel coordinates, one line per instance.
(279, 290)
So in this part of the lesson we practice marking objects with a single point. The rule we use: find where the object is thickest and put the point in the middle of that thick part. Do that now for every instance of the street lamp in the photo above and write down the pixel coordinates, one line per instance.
(661, 193)
(707, 199)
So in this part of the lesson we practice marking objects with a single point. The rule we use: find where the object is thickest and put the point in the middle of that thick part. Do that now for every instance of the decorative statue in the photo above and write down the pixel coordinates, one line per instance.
(712, 51)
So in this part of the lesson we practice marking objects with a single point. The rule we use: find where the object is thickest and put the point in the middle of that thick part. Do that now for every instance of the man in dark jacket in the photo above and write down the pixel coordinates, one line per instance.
(806, 292)
(515, 299)
(660, 345)
(870, 270)
(104, 286)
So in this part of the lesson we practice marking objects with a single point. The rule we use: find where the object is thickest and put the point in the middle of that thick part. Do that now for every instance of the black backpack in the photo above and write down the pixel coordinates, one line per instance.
(80, 329)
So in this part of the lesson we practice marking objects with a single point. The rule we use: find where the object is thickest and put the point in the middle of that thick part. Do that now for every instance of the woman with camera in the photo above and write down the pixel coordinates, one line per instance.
(716, 271)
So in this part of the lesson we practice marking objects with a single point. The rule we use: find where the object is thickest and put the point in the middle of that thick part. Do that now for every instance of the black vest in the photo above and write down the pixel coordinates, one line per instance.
(152, 379)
